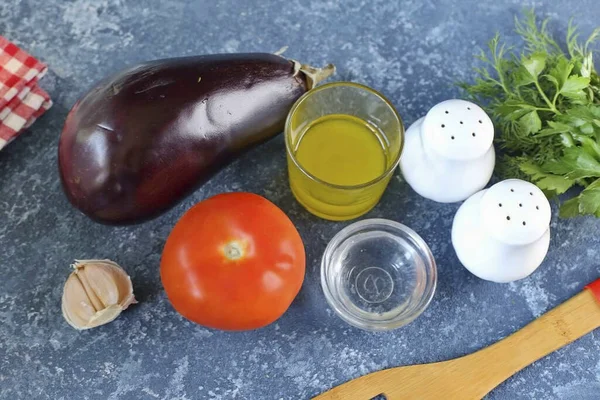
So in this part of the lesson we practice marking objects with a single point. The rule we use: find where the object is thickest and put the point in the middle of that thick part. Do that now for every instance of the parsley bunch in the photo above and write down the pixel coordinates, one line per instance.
(546, 105)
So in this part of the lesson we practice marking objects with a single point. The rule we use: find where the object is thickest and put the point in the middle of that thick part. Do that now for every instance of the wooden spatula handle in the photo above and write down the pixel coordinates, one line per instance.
(473, 376)
(560, 326)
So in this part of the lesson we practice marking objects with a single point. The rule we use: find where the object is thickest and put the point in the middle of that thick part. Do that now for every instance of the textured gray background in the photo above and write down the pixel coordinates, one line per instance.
(410, 50)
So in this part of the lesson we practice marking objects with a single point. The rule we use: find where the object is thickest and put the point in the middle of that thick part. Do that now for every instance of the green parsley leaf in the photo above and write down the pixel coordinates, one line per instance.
(531, 122)
(569, 208)
(554, 128)
(552, 183)
(535, 64)
(554, 81)
(589, 199)
(575, 164)
(590, 145)
(574, 86)
(561, 71)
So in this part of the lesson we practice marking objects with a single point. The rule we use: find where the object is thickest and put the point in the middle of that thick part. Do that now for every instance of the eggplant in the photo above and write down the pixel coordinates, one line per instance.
(142, 140)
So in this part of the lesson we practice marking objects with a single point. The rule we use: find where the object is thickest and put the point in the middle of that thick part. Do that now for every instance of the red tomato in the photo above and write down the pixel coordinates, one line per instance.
(234, 261)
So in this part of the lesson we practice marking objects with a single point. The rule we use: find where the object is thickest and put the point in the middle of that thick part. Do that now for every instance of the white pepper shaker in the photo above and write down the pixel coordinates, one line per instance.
(502, 234)
(449, 154)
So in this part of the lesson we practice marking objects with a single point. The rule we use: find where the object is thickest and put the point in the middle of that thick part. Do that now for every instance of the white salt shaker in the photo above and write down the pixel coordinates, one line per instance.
(502, 234)
(449, 154)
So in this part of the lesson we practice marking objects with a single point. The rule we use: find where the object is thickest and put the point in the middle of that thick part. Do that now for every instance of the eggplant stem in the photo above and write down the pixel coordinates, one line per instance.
(313, 75)
(281, 51)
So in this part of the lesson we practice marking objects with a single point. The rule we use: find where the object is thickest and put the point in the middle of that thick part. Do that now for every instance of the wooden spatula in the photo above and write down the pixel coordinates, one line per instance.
(475, 375)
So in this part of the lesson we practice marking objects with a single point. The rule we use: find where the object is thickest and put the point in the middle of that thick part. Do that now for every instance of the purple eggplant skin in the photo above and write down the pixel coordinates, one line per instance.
(142, 140)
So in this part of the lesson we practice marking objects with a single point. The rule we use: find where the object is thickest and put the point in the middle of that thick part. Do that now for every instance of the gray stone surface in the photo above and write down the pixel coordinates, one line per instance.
(411, 50)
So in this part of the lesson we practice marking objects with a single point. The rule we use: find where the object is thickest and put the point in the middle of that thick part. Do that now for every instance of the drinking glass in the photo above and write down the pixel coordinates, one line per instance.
(324, 199)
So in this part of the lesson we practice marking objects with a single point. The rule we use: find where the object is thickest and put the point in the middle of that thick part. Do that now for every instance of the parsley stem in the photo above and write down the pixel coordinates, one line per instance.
(546, 99)
(555, 98)
(545, 109)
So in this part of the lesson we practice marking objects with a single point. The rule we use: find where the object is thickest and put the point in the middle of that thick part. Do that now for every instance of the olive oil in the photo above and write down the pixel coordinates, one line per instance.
(341, 151)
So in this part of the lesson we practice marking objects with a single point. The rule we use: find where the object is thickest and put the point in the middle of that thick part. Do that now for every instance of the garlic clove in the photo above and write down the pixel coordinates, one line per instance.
(95, 293)
(101, 279)
(76, 305)
(104, 316)
(81, 274)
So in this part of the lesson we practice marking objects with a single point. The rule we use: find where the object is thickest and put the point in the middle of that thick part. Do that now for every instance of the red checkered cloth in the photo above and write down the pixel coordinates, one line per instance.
(22, 101)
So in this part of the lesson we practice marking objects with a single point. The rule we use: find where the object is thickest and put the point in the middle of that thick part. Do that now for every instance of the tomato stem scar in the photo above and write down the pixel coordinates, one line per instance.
(234, 250)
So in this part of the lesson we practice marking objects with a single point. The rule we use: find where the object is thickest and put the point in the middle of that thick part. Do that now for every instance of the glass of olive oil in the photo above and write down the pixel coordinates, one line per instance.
(343, 142)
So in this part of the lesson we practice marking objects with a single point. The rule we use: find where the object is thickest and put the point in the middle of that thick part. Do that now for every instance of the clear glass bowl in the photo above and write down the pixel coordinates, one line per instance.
(378, 274)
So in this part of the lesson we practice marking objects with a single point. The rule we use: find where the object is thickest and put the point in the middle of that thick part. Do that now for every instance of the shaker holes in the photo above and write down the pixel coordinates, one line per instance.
(524, 223)
(469, 108)
(499, 204)
(461, 122)
(531, 193)
(537, 207)
(443, 126)
(452, 137)
(473, 134)
(447, 112)
(480, 121)
(520, 204)
(512, 190)
(508, 217)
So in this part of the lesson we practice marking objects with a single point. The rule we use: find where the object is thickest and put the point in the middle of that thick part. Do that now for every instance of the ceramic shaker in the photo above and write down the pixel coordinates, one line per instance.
(502, 234)
(449, 154)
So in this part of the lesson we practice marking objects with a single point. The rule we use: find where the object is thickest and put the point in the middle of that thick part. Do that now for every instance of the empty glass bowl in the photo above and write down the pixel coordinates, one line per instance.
(378, 274)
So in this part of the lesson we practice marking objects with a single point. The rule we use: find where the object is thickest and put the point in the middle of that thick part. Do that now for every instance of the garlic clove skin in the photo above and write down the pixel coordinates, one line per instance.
(95, 293)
